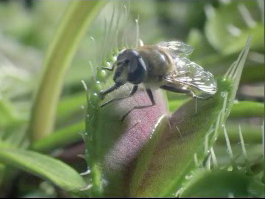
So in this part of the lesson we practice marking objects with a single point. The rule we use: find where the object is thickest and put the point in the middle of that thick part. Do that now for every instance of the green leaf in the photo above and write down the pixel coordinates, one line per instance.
(229, 25)
(239, 109)
(8, 113)
(77, 18)
(257, 34)
(251, 133)
(180, 144)
(44, 166)
(247, 109)
(60, 138)
(223, 183)
(70, 105)
(202, 47)
(175, 104)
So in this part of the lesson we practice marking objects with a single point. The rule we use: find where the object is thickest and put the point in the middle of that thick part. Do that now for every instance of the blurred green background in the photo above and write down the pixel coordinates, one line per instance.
(216, 29)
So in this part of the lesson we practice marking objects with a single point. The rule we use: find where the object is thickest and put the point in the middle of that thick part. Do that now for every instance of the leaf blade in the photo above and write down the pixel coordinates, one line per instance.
(44, 166)
(78, 17)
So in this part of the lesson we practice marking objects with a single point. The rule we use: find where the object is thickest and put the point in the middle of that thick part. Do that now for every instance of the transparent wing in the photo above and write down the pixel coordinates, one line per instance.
(176, 48)
(191, 76)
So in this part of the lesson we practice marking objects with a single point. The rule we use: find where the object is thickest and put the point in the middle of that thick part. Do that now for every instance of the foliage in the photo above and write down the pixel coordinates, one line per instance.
(179, 147)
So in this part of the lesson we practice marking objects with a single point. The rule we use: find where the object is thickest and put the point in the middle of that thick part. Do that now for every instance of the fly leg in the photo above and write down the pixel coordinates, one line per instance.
(109, 69)
(179, 90)
(199, 97)
(134, 89)
(151, 97)
(104, 93)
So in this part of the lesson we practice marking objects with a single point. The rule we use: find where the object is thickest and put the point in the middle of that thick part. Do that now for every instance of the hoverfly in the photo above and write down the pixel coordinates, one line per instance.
(163, 65)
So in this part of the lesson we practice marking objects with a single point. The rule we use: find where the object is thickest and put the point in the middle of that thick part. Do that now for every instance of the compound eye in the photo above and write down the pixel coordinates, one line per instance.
(138, 71)
(126, 61)
(123, 62)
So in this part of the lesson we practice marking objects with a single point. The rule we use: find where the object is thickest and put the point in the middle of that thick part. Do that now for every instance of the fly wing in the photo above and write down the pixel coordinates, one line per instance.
(191, 76)
(176, 48)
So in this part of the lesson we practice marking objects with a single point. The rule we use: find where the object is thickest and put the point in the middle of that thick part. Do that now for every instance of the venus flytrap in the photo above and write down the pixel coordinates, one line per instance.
(120, 169)
(166, 161)
(122, 164)
(151, 153)
(111, 144)
(233, 179)
(91, 135)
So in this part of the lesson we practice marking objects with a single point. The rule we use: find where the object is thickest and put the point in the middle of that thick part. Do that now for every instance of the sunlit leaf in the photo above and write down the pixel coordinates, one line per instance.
(78, 17)
(60, 138)
(228, 26)
(44, 166)
(223, 183)
(239, 109)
